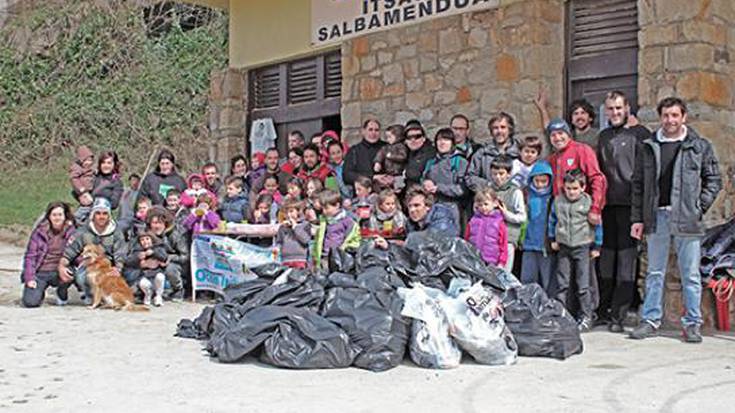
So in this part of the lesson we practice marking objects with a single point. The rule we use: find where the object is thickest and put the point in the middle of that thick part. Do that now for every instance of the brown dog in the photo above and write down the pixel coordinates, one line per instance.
(106, 285)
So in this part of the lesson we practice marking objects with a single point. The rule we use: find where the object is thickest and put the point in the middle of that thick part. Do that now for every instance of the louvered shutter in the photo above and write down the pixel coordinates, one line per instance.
(603, 26)
(302, 81)
(333, 76)
(267, 87)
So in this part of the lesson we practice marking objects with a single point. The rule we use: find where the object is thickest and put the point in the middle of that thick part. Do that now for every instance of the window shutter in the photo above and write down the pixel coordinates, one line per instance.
(302, 81)
(333, 76)
(603, 26)
(267, 87)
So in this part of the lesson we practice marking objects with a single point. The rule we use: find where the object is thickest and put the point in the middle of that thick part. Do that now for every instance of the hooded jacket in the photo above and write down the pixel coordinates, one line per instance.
(442, 218)
(82, 179)
(695, 184)
(108, 186)
(416, 163)
(155, 186)
(478, 172)
(359, 161)
(340, 232)
(447, 171)
(580, 156)
(616, 154)
(110, 239)
(38, 246)
(489, 234)
(235, 209)
(515, 209)
(539, 208)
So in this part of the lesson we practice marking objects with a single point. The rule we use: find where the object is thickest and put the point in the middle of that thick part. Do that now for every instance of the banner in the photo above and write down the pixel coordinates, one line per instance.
(218, 261)
(336, 20)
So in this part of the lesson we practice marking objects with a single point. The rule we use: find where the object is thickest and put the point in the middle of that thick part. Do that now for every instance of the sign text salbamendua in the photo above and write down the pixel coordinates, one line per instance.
(336, 20)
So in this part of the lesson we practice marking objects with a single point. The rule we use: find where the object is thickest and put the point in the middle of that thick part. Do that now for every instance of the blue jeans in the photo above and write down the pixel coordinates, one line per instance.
(688, 255)
(80, 278)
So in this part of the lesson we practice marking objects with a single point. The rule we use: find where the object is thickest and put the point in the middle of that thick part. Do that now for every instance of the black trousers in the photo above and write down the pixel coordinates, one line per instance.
(33, 297)
(574, 263)
(617, 264)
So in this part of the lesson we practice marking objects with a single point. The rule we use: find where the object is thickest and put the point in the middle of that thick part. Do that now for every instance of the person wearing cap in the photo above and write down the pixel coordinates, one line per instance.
(156, 185)
(359, 159)
(616, 153)
(569, 155)
(502, 129)
(420, 150)
(101, 230)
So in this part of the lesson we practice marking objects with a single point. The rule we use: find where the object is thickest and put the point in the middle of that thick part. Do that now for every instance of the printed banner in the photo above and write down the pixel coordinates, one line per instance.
(336, 20)
(218, 261)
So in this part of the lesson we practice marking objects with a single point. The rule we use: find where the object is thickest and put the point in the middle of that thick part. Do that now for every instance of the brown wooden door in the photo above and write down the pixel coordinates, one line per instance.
(602, 50)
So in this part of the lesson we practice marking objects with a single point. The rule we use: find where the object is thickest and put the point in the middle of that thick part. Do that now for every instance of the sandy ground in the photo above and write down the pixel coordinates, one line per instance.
(71, 358)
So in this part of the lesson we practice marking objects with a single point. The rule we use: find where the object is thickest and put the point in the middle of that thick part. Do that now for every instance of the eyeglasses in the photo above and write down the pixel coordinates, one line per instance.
(414, 137)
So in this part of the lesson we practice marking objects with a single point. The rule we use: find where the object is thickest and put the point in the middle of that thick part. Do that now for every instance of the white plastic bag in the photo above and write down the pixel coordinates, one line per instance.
(430, 345)
(475, 315)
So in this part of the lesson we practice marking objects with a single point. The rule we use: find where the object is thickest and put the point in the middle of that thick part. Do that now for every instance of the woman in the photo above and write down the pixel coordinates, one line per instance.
(44, 251)
(239, 167)
(156, 185)
(107, 183)
(295, 160)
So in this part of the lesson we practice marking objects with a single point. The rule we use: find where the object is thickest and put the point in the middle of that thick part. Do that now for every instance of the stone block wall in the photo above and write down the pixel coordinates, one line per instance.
(228, 97)
(475, 64)
(687, 49)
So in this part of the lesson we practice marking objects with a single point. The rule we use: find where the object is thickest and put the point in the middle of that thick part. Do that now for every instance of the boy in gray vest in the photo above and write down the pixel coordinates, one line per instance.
(576, 241)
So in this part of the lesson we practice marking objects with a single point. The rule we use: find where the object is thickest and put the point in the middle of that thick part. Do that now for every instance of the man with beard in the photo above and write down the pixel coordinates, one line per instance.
(616, 155)
(502, 128)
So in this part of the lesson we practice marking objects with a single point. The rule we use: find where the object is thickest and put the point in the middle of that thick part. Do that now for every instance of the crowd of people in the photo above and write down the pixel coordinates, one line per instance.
(571, 221)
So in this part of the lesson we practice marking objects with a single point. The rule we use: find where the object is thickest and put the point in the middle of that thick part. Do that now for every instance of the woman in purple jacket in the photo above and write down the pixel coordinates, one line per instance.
(41, 260)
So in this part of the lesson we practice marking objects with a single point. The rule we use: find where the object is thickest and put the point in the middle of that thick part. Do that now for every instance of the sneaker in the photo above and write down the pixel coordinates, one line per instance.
(158, 301)
(176, 296)
(585, 325)
(615, 327)
(147, 300)
(692, 334)
(644, 330)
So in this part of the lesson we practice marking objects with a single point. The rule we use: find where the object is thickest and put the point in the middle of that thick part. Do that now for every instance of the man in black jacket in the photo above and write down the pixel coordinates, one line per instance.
(616, 154)
(420, 150)
(676, 180)
(359, 159)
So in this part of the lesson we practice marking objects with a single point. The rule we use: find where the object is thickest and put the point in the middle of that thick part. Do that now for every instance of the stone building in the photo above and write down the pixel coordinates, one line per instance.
(494, 57)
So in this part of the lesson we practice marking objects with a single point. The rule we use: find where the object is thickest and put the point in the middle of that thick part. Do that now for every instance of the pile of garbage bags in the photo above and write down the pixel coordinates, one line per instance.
(434, 297)
(718, 252)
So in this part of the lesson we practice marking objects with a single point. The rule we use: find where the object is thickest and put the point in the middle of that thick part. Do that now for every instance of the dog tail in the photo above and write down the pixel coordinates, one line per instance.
(135, 307)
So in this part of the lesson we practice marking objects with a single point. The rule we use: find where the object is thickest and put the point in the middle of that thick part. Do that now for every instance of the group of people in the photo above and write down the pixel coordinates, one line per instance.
(570, 222)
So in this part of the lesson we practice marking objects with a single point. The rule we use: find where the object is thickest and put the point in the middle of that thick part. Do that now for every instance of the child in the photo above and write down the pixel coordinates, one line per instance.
(138, 224)
(81, 175)
(235, 203)
(203, 217)
(537, 265)
(265, 210)
(531, 149)
(511, 203)
(270, 187)
(196, 189)
(294, 190)
(312, 187)
(576, 241)
(336, 228)
(391, 159)
(444, 174)
(293, 236)
(257, 168)
(387, 221)
(487, 230)
(145, 263)
(364, 202)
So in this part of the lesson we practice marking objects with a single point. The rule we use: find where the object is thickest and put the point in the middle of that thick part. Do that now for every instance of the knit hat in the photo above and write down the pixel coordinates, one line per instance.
(101, 205)
(412, 125)
(558, 124)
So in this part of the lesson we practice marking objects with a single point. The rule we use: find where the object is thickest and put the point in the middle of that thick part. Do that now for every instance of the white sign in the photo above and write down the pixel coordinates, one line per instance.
(336, 20)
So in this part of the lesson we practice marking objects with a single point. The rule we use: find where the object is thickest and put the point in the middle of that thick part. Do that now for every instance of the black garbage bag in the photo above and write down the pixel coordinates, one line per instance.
(369, 310)
(341, 261)
(541, 326)
(434, 255)
(718, 242)
(199, 328)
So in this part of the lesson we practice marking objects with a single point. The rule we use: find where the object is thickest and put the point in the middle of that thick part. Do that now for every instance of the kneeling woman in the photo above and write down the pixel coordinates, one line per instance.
(45, 248)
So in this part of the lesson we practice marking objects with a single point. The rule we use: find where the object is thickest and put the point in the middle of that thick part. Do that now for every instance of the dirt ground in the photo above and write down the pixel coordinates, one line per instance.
(71, 358)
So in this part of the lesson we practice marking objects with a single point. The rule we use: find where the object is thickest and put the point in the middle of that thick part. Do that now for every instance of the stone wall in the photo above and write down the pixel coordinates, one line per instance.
(687, 49)
(228, 97)
(475, 64)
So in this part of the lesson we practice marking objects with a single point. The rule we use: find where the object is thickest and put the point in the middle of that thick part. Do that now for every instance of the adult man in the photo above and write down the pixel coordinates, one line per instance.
(581, 117)
(295, 140)
(312, 167)
(676, 180)
(502, 127)
(212, 180)
(359, 159)
(420, 150)
(101, 230)
(463, 144)
(425, 215)
(271, 169)
(616, 154)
